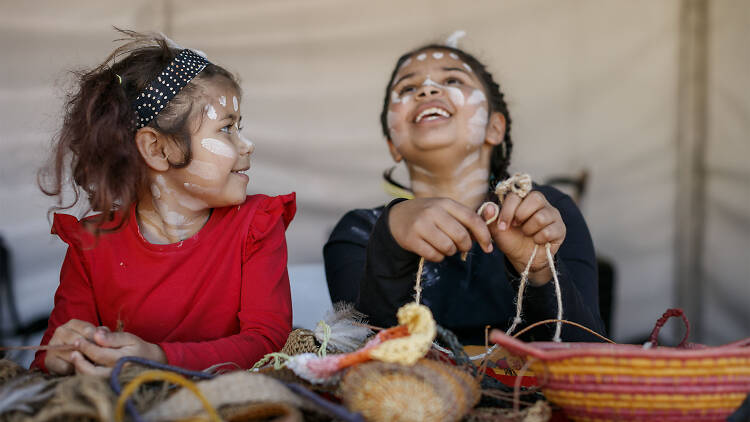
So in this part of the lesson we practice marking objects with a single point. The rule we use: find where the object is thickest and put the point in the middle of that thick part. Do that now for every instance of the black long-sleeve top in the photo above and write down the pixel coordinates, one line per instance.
(366, 266)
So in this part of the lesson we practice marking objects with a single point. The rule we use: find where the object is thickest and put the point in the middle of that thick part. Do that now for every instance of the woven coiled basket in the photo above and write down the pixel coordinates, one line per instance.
(624, 382)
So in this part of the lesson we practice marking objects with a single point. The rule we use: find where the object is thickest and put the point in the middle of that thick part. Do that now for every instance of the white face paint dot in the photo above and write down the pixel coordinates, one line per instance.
(454, 56)
(438, 55)
(421, 57)
(467, 67)
(211, 112)
(476, 97)
(223, 101)
(235, 103)
(429, 82)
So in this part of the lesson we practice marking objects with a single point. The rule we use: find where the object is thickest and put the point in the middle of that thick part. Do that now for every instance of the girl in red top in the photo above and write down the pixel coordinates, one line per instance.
(178, 265)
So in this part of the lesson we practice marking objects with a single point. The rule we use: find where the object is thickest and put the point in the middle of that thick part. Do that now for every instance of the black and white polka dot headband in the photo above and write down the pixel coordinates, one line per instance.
(184, 67)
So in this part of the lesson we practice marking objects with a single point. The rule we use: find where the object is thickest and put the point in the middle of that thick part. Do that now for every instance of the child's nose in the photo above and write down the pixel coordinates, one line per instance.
(244, 145)
(428, 91)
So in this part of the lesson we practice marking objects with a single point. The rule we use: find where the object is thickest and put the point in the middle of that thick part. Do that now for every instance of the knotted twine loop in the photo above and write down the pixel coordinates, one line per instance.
(521, 185)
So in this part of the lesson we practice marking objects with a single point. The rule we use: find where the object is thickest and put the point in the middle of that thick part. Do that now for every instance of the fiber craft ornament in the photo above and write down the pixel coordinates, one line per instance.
(426, 391)
(405, 343)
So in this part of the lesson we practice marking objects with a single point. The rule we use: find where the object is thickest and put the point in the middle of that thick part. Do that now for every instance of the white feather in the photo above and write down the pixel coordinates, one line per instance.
(347, 333)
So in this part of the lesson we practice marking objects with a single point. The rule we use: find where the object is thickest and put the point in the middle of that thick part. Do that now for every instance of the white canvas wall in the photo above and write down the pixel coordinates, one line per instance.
(590, 84)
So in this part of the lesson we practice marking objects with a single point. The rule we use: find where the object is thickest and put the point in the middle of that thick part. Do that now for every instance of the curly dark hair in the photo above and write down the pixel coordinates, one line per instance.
(96, 141)
(500, 158)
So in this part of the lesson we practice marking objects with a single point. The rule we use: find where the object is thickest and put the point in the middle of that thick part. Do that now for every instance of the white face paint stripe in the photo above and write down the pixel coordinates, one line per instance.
(478, 125)
(478, 191)
(235, 103)
(188, 202)
(421, 57)
(473, 177)
(469, 160)
(454, 56)
(198, 188)
(406, 62)
(437, 55)
(218, 147)
(467, 67)
(223, 101)
(422, 170)
(211, 112)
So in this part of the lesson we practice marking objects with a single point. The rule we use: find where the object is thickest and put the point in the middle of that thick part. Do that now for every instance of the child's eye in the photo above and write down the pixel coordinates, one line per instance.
(227, 128)
(405, 90)
(453, 81)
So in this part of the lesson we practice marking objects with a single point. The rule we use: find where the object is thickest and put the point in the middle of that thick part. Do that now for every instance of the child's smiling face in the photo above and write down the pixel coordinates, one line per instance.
(436, 102)
(220, 153)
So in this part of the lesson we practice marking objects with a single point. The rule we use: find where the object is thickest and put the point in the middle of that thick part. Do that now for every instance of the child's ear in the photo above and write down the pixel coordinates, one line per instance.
(397, 157)
(495, 129)
(153, 147)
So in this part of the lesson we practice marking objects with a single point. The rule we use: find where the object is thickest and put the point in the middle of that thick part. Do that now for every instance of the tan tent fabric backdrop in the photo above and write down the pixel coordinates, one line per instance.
(591, 85)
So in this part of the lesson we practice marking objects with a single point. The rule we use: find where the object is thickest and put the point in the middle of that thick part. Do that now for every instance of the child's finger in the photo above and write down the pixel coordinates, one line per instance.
(529, 206)
(457, 233)
(83, 366)
(539, 220)
(553, 233)
(97, 354)
(508, 211)
(473, 223)
(427, 251)
(85, 329)
(114, 340)
(441, 242)
(57, 365)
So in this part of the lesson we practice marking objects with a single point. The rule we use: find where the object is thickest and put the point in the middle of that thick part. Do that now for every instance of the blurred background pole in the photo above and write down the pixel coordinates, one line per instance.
(691, 161)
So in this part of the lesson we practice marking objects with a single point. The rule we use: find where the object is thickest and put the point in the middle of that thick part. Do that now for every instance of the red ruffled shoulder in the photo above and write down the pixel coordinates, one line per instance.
(269, 212)
(72, 231)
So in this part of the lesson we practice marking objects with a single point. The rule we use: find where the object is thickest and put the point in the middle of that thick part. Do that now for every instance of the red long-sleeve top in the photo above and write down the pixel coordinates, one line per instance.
(220, 296)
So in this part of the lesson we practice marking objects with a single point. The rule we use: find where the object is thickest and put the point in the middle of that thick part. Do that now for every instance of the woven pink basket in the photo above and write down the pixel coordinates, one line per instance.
(625, 382)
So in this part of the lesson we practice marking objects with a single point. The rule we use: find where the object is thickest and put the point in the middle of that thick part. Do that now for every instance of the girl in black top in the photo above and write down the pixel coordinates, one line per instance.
(446, 118)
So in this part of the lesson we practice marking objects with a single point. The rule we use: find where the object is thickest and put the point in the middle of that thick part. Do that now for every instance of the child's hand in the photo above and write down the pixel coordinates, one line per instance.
(60, 361)
(437, 227)
(524, 223)
(97, 357)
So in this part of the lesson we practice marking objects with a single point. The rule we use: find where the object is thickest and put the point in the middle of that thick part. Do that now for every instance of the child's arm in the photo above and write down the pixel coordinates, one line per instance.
(73, 318)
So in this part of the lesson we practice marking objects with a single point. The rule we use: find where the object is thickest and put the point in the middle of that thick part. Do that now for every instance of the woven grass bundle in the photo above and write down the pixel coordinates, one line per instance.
(426, 391)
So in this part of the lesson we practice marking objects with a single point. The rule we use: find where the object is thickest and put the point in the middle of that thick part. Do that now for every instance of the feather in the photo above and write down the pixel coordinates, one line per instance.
(13, 397)
(346, 332)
